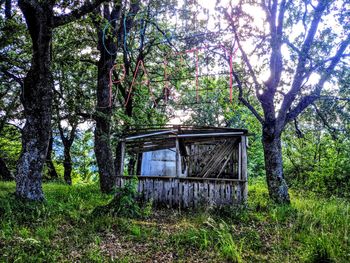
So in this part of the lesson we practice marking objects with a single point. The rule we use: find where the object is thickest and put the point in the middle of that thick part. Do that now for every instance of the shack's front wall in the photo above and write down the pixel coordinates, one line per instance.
(185, 192)
(198, 171)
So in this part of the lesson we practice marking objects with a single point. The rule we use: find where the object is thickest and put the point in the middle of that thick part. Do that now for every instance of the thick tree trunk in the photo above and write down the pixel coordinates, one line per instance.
(5, 173)
(103, 149)
(277, 185)
(67, 164)
(36, 134)
(50, 166)
(104, 155)
(37, 102)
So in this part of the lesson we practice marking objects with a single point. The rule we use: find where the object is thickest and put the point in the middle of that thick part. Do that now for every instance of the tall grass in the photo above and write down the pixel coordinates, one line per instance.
(64, 229)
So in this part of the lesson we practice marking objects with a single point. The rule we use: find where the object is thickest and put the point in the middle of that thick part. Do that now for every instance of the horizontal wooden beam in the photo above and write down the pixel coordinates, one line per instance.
(139, 177)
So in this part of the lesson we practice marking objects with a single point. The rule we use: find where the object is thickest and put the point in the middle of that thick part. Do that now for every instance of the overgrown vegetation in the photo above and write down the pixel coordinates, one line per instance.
(65, 229)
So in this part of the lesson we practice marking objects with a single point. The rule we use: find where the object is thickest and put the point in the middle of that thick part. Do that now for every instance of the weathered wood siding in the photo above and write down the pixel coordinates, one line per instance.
(188, 192)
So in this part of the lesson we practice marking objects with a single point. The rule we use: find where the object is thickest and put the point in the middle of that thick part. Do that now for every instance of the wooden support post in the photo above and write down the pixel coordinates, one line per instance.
(122, 157)
(244, 174)
(139, 164)
(178, 159)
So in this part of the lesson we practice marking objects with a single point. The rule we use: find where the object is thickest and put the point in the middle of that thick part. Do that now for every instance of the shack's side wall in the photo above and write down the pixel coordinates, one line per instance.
(185, 192)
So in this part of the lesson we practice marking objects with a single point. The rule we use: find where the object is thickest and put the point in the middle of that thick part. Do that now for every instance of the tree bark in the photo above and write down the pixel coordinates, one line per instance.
(51, 168)
(278, 189)
(37, 92)
(67, 141)
(67, 164)
(37, 102)
(102, 147)
(5, 173)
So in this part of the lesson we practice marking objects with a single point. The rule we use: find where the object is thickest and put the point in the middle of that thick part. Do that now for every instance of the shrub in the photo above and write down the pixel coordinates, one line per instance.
(126, 203)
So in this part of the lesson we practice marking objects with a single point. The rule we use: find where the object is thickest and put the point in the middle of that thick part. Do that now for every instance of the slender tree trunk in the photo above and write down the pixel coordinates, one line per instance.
(132, 162)
(37, 102)
(277, 185)
(5, 173)
(51, 168)
(67, 164)
(67, 141)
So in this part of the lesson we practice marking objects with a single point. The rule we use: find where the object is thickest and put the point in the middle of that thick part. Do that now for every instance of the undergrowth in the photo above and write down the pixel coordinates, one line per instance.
(64, 228)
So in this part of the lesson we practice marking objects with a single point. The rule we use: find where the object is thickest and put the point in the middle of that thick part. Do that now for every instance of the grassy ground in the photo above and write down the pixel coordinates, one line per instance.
(63, 229)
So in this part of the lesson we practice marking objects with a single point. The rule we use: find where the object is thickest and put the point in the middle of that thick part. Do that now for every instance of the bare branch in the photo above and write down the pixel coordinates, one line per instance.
(333, 98)
(276, 66)
(303, 55)
(297, 129)
(244, 101)
(307, 100)
(331, 129)
(244, 55)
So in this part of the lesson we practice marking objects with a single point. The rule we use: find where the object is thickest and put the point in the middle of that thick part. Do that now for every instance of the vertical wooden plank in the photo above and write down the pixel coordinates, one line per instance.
(238, 192)
(170, 192)
(195, 194)
(145, 190)
(185, 193)
(175, 192)
(228, 193)
(244, 185)
(149, 189)
(161, 191)
(191, 193)
(221, 192)
(227, 198)
(155, 190)
(207, 192)
(201, 194)
(240, 161)
(138, 186)
(211, 193)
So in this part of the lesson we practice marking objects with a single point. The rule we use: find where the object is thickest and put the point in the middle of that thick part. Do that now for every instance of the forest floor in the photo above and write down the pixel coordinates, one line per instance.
(63, 229)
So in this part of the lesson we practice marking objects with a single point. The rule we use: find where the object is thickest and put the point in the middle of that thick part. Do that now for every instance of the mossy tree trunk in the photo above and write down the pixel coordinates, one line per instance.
(37, 95)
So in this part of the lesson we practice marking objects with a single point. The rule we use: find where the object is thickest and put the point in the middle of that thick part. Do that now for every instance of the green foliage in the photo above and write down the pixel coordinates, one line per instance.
(10, 146)
(83, 157)
(319, 163)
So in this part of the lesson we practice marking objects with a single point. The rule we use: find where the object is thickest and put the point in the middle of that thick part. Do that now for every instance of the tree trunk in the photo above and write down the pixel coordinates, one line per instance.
(103, 149)
(37, 103)
(50, 166)
(67, 141)
(67, 164)
(278, 189)
(5, 173)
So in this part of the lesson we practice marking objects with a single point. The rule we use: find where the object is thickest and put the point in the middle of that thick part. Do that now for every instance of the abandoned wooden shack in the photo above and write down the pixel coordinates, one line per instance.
(185, 166)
